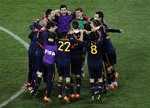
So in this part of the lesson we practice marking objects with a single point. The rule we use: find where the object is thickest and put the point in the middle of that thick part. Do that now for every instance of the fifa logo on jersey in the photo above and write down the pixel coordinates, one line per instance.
(49, 52)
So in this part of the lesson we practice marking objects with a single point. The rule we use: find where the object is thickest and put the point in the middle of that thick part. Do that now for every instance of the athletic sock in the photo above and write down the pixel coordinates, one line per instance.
(100, 84)
(36, 84)
(113, 75)
(60, 88)
(71, 86)
(78, 83)
(92, 89)
(109, 78)
(67, 87)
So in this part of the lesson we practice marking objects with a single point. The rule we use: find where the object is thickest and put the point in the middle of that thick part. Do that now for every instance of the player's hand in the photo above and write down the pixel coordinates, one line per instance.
(57, 12)
(50, 40)
(69, 13)
(81, 31)
(121, 31)
(71, 32)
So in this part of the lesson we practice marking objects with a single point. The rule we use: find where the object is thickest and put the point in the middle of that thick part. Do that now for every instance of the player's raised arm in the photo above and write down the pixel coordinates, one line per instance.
(115, 30)
(81, 35)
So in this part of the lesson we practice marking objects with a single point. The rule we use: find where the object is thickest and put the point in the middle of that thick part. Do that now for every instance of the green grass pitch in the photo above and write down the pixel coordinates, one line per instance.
(133, 52)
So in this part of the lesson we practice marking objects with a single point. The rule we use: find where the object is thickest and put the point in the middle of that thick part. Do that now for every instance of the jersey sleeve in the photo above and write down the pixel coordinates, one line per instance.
(83, 43)
(85, 36)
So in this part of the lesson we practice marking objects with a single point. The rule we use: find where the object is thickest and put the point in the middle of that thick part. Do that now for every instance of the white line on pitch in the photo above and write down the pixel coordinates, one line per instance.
(26, 46)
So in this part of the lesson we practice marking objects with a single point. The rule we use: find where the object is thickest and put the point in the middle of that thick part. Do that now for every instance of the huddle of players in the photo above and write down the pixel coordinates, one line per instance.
(60, 38)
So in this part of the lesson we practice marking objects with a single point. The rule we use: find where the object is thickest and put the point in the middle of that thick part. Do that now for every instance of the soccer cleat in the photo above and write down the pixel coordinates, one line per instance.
(99, 98)
(29, 88)
(33, 92)
(115, 84)
(116, 75)
(111, 87)
(72, 96)
(27, 84)
(77, 96)
(93, 98)
(96, 89)
(96, 92)
(105, 90)
(66, 99)
(47, 99)
(60, 97)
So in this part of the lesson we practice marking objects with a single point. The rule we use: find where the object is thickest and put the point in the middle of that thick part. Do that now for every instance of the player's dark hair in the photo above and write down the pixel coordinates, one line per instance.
(63, 6)
(48, 12)
(93, 36)
(87, 27)
(100, 13)
(63, 34)
(50, 37)
(75, 24)
(50, 24)
(79, 9)
(92, 19)
(53, 35)
(96, 22)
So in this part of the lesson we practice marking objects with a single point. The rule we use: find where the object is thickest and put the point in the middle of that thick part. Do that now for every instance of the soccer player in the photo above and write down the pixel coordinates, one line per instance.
(82, 19)
(49, 15)
(100, 16)
(32, 52)
(95, 62)
(50, 52)
(95, 24)
(38, 57)
(31, 55)
(109, 54)
(76, 60)
(41, 36)
(63, 19)
(63, 63)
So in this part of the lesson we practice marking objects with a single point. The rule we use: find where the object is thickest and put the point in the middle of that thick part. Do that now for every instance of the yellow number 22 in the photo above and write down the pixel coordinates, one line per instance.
(62, 44)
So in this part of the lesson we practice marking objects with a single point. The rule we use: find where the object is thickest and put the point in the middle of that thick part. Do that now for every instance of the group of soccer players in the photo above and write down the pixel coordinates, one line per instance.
(63, 38)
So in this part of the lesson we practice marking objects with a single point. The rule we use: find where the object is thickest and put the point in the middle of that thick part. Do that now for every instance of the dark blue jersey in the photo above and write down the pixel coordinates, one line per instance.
(63, 59)
(108, 30)
(33, 39)
(108, 50)
(104, 25)
(106, 42)
(64, 46)
(41, 37)
(95, 62)
(85, 36)
(94, 49)
(76, 49)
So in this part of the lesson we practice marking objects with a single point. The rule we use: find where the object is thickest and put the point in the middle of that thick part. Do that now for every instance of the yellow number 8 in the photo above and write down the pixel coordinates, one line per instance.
(94, 49)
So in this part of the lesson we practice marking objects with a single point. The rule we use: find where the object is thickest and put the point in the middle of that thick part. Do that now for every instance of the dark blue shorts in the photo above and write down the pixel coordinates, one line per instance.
(49, 70)
(95, 70)
(110, 57)
(64, 69)
(39, 60)
(76, 67)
